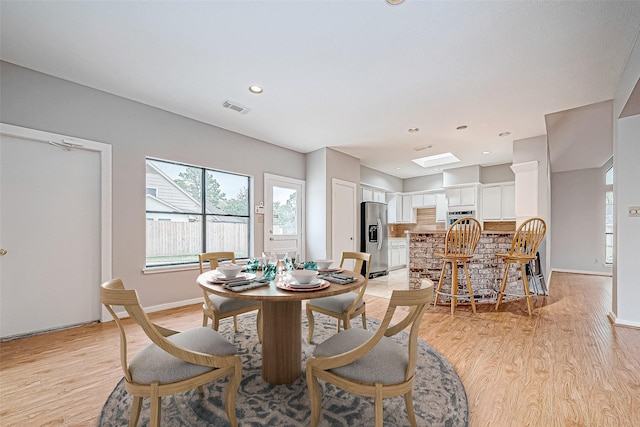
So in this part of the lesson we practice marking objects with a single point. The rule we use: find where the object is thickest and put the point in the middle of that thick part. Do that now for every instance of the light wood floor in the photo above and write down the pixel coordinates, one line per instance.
(564, 366)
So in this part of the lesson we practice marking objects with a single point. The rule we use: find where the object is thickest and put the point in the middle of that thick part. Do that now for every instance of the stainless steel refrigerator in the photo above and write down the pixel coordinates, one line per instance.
(374, 238)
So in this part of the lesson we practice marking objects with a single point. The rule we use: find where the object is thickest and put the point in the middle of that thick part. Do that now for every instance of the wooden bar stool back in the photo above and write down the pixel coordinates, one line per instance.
(460, 244)
(524, 248)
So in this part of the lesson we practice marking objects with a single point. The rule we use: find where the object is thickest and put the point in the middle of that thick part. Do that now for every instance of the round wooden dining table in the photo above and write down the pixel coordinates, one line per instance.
(281, 321)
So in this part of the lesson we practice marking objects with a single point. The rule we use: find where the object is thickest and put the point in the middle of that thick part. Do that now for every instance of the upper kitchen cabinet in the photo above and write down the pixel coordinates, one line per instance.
(498, 202)
(399, 209)
(462, 196)
(370, 194)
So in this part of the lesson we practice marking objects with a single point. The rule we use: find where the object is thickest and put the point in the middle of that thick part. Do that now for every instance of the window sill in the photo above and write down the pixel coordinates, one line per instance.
(169, 268)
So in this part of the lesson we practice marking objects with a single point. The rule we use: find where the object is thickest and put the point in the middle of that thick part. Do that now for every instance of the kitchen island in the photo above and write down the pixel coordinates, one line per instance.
(485, 268)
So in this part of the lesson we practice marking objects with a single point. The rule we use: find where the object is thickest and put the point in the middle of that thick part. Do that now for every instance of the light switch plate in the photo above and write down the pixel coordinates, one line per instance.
(634, 211)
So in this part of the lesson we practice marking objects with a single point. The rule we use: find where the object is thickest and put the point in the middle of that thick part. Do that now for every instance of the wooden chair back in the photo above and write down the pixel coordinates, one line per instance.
(417, 301)
(359, 258)
(213, 258)
(113, 293)
(528, 237)
(463, 237)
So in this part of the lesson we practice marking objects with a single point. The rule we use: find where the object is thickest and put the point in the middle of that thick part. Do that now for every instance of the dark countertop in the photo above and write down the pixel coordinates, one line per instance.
(444, 232)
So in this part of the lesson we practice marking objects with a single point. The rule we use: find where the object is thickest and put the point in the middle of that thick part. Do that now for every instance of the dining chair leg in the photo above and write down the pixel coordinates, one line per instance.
(525, 285)
(155, 407)
(135, 411)
(310, 319)
(408, 402)
(205, 319)
(378, 405)
(314, 397)
(364, 320)
(235, 323)
(503, 286)
(469, 288)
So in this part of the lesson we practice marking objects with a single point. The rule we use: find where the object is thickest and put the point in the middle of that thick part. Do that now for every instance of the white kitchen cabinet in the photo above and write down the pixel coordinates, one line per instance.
(392, 208)
(373, 195)
(509, 201)
(463, 196)
(417, 200)
(408, 213)
(397, 253)
(441, 207)
(492, 203)
(498, 202)
(429, 200)
(367, 194)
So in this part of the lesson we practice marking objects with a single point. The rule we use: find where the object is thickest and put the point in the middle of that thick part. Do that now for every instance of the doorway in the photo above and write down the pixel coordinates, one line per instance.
(55, 216)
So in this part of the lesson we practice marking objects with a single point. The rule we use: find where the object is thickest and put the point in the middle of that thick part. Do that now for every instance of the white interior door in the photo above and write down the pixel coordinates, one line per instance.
(284, 215)
(344, 223)
(51, 212)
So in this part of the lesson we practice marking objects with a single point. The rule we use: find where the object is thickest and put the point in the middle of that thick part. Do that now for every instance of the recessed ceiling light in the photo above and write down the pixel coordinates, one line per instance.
(422, 147)
(486, 152)
(413, 130)
(398, 169)
(394, 2)
(436, 160)
(504, 134)
(462, 127)
(255, 89)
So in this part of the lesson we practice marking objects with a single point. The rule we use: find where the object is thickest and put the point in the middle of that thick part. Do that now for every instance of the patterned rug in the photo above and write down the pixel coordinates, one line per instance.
(439, 396)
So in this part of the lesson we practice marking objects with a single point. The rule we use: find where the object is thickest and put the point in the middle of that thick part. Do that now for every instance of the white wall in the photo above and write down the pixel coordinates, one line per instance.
(578, 215)
(422, 183)
(497, 173)
(380, 180)
(535, 149)
(38, 101)
(626, 176)
(322, 166)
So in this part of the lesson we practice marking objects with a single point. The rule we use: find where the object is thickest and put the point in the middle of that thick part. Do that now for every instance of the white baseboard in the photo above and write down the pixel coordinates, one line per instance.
(154, 308)
(593, 273)
(621, 322)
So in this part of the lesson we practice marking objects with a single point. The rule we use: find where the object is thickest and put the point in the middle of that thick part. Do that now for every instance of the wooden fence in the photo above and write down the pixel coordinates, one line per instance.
(172, 238)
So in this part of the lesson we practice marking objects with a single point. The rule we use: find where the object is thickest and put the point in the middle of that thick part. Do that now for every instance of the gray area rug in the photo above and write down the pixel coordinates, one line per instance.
(439, 396)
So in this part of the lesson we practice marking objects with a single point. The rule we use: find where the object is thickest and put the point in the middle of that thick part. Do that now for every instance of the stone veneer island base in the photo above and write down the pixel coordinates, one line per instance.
(486, 269)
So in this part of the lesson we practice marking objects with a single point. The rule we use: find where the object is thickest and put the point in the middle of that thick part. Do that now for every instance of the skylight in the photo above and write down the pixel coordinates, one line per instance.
(436, 160)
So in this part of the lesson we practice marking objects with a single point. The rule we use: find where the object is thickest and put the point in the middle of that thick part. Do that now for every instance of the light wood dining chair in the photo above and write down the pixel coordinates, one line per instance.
(216, 307)
(372, 364)
(173, 362)
(344, 307)
(460, 244)
(524, 248)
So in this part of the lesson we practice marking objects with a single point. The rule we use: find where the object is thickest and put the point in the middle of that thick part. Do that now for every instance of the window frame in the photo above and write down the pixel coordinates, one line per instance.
(203, 214)
(608, 235)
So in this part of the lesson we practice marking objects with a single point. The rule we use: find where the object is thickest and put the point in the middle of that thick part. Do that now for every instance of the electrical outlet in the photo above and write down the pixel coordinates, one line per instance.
(634, 211)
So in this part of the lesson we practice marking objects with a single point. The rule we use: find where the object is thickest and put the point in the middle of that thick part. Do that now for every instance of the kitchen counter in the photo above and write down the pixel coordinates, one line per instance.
(485, 269)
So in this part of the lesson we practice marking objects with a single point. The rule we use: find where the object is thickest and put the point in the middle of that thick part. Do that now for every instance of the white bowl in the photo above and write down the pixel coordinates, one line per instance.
(229, 271)
(324, 264)
(304, 276)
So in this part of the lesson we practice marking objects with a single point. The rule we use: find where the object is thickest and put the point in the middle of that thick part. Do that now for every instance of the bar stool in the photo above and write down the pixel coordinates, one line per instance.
(460, 244)
(524, 248)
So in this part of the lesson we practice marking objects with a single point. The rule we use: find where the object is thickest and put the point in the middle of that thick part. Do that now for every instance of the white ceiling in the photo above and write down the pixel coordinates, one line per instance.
(351, 75)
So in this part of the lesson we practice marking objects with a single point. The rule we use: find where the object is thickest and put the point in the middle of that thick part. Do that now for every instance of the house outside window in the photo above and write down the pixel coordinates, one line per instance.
(194, 210)
(609, 217)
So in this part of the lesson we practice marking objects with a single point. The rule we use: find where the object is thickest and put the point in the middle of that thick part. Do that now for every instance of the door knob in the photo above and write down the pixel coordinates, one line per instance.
(3, 252)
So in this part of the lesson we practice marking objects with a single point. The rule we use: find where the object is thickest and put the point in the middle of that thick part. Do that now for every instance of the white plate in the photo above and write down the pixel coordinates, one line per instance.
(219, 277)
(283, 285)
(293, 283)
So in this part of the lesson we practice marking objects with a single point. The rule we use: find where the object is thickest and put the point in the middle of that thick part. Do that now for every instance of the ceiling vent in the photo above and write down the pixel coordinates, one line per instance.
(236, 107)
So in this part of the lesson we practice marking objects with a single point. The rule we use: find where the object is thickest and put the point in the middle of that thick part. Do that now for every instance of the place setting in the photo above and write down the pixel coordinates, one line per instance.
(302, 281)
(231, 277)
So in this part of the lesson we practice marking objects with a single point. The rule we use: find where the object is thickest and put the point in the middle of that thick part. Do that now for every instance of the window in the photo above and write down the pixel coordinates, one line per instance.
(609, 216)
(193, 210)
